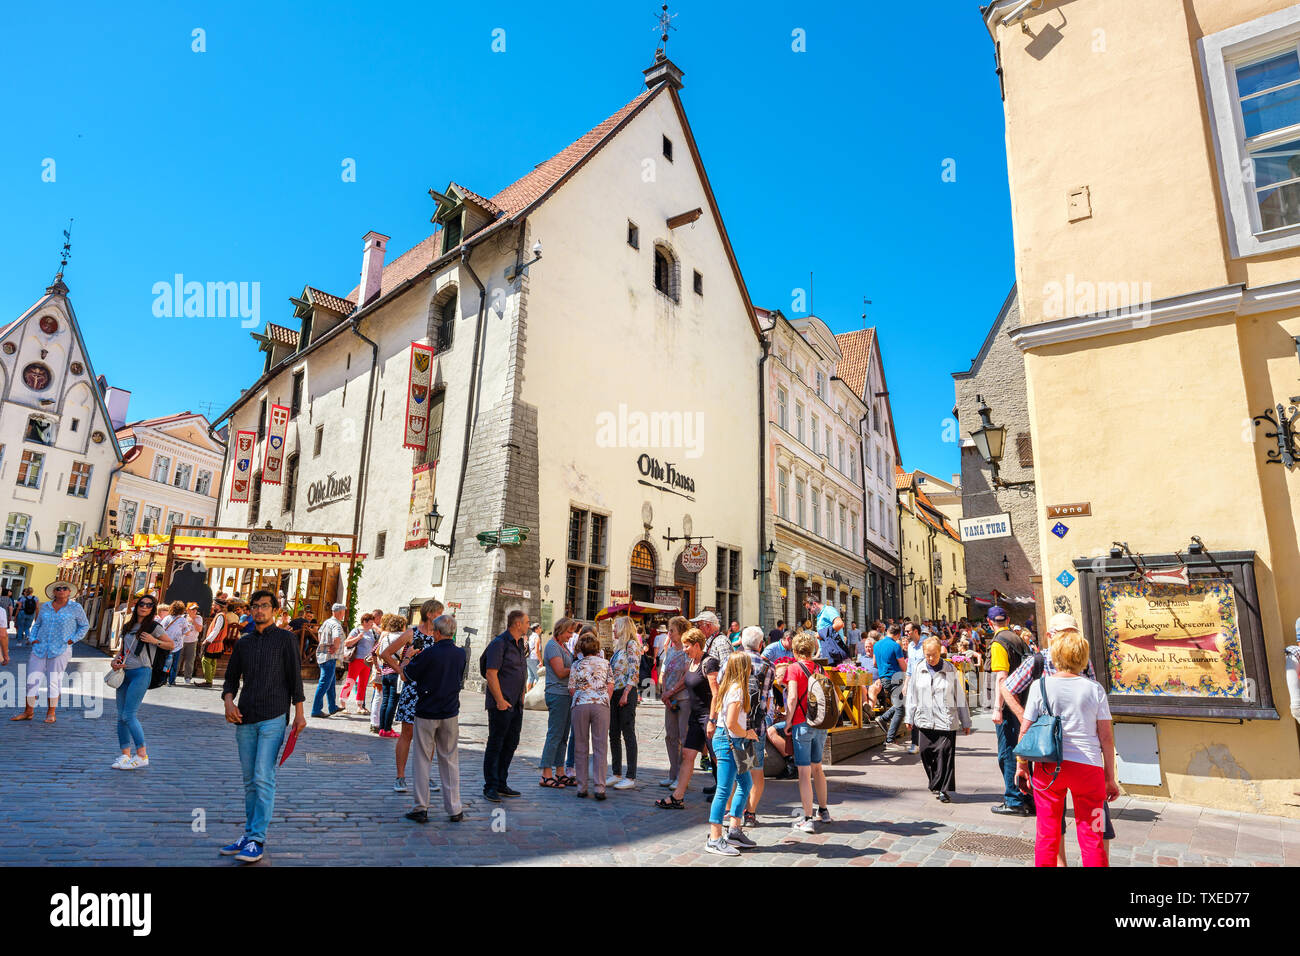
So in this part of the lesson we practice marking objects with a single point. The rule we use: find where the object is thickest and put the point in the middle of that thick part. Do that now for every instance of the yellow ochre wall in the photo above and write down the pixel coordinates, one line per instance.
(1152, 425)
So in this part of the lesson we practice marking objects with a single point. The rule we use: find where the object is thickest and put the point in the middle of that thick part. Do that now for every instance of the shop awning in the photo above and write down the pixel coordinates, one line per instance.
(232, 553)
(638, 607)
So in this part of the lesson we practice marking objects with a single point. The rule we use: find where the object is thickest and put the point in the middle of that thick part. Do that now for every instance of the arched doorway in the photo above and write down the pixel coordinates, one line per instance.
(686, 583)
(643, 572)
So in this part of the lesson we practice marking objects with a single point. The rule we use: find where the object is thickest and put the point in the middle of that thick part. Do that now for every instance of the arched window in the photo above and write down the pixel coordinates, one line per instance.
(667, 273)
(290, 482)
(442, 320)
(255, 506)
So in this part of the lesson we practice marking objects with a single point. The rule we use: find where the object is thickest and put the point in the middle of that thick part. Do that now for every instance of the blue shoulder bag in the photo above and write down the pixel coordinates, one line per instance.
(1041, 743)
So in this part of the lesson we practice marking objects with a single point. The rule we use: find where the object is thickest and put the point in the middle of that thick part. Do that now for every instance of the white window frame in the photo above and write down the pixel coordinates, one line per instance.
(844, 527)
(1221, 53)
(16, 532)
(871, 510)
(800, 502)
(783, 493)
(798, 420)
(122, 503)
(839, 451)
(151, 511)
(782, 411)
(80, 489)
(204, 479)
(34, 459)
(816, 511)
(61, 539)
(183, 469)
(163, 464)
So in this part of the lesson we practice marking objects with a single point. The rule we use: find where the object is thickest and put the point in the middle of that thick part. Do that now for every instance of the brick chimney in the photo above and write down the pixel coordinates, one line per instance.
(372, 267)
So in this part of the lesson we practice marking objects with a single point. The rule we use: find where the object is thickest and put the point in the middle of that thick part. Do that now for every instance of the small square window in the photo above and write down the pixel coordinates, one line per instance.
(633, 235)
(668, 149)
(699, 284)
(380, 541)
(75, 423)
(320, 437)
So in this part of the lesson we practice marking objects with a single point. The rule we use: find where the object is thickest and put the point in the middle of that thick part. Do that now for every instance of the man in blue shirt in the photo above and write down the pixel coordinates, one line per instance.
(506, 674)
(891, 669)
(438, 673)
(823, 615)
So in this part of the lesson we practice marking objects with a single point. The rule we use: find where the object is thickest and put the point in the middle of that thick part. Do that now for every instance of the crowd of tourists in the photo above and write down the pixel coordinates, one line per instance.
(734, 701)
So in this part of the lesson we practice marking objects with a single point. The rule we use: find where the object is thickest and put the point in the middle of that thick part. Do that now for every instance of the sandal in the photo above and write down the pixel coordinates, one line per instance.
(551, 782)
(670, 803)
(582, 793)
(567, 781)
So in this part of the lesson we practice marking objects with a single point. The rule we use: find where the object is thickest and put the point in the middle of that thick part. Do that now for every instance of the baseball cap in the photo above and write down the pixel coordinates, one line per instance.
(1062, 622)
(706, 617)
(997, 614)
(338, 607)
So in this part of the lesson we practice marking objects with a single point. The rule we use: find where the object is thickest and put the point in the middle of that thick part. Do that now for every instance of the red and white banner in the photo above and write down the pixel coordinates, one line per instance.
(273, 459)
(417, 528)
(1167, 576)
(416, 429)
(242, 472)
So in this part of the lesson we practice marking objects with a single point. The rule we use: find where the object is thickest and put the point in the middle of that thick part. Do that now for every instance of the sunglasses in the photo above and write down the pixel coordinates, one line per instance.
(146, 604)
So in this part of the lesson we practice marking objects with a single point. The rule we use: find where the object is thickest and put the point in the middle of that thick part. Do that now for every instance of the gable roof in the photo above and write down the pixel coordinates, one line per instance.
(978, 360)
(164, 420)
(857, 347)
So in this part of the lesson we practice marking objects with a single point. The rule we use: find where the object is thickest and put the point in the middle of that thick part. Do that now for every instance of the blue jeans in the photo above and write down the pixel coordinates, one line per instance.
(259, 748)
(324, 689)
(808, 744)
(1008, 735)
(573, 744)
(388, 706)
(173, 660)
(726, 766)
(129, 695)
(24, 624)
(557, 728)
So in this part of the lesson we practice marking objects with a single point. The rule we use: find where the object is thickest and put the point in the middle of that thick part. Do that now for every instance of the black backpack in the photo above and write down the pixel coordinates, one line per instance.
(159, 675)
(29, 604)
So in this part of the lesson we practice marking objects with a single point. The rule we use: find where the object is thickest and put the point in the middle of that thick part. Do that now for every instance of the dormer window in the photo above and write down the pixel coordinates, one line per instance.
(451, 232)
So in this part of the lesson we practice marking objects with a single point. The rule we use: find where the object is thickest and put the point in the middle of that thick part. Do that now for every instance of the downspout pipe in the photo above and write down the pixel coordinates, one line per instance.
(364, 459)
(766, 589)
(866, 518)
(471, 398)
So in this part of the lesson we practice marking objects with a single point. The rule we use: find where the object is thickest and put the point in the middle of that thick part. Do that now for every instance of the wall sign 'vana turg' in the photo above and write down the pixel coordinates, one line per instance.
(1187, 650)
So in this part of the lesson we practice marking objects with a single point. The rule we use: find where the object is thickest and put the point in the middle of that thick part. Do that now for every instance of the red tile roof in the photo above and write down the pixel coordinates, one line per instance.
(852, 368)
(474, 197)
(332, 302)
(902, 479)
(278, 333)
(408, 264)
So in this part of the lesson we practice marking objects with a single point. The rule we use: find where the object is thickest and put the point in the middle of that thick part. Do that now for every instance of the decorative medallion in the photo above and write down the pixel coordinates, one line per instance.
(10, 348)
(97, 437)
(77, 368)
(49, 324)
(37, 377)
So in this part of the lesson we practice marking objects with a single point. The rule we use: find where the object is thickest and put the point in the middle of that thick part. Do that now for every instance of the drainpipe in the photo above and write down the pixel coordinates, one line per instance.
(866, 518)
(471, 398)
(103, 512)
(766, 588)
(364, 460)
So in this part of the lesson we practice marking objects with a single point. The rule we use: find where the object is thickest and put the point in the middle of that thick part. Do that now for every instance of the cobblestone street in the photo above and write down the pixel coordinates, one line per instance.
(336, 805)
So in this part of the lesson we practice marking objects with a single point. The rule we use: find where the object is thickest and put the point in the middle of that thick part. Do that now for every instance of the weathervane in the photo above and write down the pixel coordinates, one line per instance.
(67, 250)
(865, 302)
(663, 26)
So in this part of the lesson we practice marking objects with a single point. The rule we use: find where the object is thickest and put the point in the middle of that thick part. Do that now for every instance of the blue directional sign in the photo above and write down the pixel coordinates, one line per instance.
(1065, 578)
(1060, 529)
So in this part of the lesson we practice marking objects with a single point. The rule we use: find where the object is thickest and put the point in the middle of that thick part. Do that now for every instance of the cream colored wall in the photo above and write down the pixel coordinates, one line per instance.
(600, 334)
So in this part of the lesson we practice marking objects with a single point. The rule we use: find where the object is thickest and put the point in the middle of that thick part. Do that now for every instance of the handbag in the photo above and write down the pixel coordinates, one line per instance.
(742, 751)
(1042, 742)
(114, 678)
(535, 699)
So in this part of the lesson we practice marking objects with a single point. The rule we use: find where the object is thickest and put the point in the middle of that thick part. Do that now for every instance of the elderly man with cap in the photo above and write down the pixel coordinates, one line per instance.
(331, 636)
(1005, 655)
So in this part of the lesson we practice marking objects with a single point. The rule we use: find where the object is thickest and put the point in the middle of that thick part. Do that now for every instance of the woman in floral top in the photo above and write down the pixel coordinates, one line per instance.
(672, 691)
(626, 667)
(590, 684)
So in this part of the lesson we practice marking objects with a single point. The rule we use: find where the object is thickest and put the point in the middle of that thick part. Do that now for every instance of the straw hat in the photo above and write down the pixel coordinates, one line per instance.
(49, 588)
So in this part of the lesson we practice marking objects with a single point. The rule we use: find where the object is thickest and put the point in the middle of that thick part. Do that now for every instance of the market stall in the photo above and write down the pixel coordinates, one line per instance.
(643, 612)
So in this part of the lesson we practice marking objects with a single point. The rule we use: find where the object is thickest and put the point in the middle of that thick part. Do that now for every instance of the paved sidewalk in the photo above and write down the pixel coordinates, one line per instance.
(64, 805)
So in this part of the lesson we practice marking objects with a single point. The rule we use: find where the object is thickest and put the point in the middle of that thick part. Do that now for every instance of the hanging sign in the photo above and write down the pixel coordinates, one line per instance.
(273, 459)
(695, 559)
(266, 542)
(416, 434)
(417, 524)
(241, 474)
(985, 528)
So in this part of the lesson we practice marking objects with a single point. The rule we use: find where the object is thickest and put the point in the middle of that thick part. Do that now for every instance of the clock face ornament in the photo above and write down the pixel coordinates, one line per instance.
(97, 437)
(77, 368)
(37, 377)
(49, 324)
(10, 348)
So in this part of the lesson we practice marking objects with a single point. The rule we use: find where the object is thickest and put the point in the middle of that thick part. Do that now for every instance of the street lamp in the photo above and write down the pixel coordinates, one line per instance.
(990, 441)
(434, 521)
(1006, 567)
(911, 577)
(766, 560)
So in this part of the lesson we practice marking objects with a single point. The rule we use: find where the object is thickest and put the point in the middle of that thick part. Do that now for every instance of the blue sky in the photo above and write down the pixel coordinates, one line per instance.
(225, 165)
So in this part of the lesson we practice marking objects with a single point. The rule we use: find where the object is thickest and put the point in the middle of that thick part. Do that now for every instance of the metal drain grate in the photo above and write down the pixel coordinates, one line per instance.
(990, 844)
(338, 758)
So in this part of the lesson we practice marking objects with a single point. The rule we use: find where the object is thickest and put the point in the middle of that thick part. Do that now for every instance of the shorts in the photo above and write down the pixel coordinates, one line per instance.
(1109, 833)
(695, 738)
(808, 745)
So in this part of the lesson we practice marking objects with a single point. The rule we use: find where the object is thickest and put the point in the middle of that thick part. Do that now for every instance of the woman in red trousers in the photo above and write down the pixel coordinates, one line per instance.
(1087, 767)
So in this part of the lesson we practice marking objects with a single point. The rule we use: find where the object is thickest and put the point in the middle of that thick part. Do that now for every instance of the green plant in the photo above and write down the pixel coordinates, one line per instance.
(353, 577)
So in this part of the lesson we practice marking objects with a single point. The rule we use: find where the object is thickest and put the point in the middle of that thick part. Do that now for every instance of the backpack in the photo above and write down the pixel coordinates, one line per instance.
(158, 675)
(821, 703)
(1017, 651)
(29, 604)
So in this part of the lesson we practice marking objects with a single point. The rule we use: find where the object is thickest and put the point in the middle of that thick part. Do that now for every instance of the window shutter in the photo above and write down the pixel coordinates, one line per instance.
(1024, 450)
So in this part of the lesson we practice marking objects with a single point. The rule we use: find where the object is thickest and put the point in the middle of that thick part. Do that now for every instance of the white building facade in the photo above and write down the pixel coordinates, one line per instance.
(540, 413)
(57, 450)
(816, 500)
(171, 476)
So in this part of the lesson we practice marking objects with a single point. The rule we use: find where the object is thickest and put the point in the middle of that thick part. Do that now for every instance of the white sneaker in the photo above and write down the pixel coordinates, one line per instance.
(400, 785)
(121, 763)
(721, 847)
(612, 780)
(624, 784)
(805, 825)
(137, 763)
(668, 782)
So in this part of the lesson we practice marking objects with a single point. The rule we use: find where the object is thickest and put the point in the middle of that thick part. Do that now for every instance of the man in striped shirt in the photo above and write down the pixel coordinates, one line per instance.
(265, 660)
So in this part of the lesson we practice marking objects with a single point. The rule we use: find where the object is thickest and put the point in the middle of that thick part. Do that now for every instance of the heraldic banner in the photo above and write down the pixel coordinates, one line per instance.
(416, 434)
(417, 528)
(273, 460)
(241, 474)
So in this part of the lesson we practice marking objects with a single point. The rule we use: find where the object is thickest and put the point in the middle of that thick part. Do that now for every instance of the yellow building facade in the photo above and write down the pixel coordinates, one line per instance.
(1154, 170)
(933, 558)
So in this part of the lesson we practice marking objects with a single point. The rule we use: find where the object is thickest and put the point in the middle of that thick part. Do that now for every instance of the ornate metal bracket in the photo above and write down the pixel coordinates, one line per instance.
(1285, 452)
